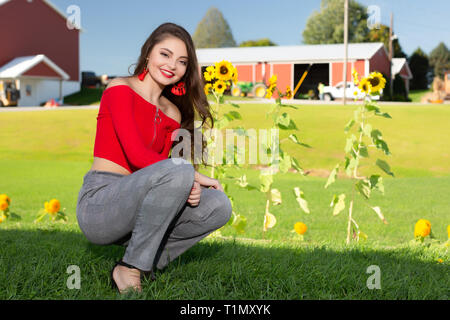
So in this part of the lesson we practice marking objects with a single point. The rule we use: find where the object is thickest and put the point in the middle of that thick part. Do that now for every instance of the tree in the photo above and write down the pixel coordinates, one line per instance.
(264, 42)
(440, 60)
(419, 65)
(213, 31)
(327, 25)
(382, 35)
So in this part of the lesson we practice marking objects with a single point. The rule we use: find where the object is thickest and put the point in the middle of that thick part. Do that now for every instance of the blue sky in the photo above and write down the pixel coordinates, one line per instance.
(114, 31)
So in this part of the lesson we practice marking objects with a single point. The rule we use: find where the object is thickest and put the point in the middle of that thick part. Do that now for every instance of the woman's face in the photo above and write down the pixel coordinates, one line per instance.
(168, 61)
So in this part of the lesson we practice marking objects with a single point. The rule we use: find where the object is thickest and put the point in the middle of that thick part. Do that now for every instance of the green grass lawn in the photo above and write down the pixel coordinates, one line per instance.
(416, 95)
(44, 155)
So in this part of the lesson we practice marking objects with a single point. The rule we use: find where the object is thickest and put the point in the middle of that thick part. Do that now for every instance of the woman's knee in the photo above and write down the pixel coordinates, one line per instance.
(222, 210)
(183, 172)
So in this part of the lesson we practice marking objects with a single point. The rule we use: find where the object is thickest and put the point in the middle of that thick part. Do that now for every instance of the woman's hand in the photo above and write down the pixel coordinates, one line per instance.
(207, 181)
(194, 197)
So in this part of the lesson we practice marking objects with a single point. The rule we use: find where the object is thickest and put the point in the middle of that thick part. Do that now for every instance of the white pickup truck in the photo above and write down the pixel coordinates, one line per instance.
(337, 92)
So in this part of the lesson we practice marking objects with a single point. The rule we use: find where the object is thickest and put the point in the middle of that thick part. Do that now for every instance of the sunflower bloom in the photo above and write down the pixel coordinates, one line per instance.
(6, 198)
(220, 86)
(377, 81)
(273, 80)
(288, 94)
(54, 206)
(422, 228)
(269, 221)
(224, 70)
(210, 73)
(365, 86)
(234, 75)
(355, 77)
(207, 87)
(3, 205)
(300, 228)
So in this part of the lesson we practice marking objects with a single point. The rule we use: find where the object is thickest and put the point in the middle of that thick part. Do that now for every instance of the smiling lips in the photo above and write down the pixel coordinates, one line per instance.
(167, 74)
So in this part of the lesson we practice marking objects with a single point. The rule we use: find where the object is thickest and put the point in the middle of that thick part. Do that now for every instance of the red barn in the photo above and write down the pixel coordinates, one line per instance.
(258, 64)
(40, 51)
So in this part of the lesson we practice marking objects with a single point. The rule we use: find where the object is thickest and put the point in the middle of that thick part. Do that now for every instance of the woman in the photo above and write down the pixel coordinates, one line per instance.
(134, 194)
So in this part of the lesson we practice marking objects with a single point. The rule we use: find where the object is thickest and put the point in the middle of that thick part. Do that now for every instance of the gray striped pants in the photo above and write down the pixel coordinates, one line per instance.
(147, 211)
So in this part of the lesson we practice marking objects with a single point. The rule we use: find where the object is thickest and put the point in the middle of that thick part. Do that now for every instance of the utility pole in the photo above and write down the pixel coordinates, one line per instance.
(391, 82)
(346, 48)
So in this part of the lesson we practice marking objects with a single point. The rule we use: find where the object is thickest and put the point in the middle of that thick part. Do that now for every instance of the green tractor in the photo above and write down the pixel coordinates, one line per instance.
(242, 89)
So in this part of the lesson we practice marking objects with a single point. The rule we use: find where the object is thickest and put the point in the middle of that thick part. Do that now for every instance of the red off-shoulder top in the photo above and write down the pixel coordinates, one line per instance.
(131, 131)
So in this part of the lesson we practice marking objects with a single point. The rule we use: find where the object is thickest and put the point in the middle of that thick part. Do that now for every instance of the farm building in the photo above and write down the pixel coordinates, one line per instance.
(258, 64)
(39, 56)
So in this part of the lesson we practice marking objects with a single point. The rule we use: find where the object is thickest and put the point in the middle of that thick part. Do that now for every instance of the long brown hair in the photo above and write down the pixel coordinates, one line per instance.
(195, 98)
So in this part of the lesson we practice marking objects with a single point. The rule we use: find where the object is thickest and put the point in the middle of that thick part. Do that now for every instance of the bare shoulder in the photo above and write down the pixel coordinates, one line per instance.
(117, 82)
(172, 109)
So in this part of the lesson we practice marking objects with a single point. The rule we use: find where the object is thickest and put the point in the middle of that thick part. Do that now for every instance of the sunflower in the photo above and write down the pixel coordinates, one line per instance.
(210, 73)
(54, 206)
(3, 205)
(377, 81)
(300, 228)
(224, 70)
(355, 77)
(234, 75)
(273, 80)
(220, 86)
(422, 228)
(365, 86)
(6, 198)
(207, 87)
(288, 94)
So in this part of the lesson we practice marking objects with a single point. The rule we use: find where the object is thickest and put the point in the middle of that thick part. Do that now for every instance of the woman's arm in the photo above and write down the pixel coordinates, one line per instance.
(207, 181)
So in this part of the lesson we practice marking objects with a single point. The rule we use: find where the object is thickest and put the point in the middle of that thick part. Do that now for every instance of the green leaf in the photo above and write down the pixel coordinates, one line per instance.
(266, 180)
(383, 165)
(289, 106)
(284, 120)
(349, 125)
(235, 114)
(235, 105)
(378, 141)
(40, 215)
(294, 138)
(338, 204)
(332, 176)
(296, 165)
(285, 163)
(300, 197)
(349, 143)
(363, 186)
(15, 217)
(384, 114)
(367, 129)
(376, 182)
(221, 99)
(363, 151)
(372, 107)
(239, 223)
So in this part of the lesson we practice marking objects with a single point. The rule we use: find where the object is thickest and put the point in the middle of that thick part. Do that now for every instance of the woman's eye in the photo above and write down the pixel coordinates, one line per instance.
(184, 63)
(164, 54)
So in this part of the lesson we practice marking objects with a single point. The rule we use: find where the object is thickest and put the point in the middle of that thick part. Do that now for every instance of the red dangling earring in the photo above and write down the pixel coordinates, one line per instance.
(142, 75)
(179, 89)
